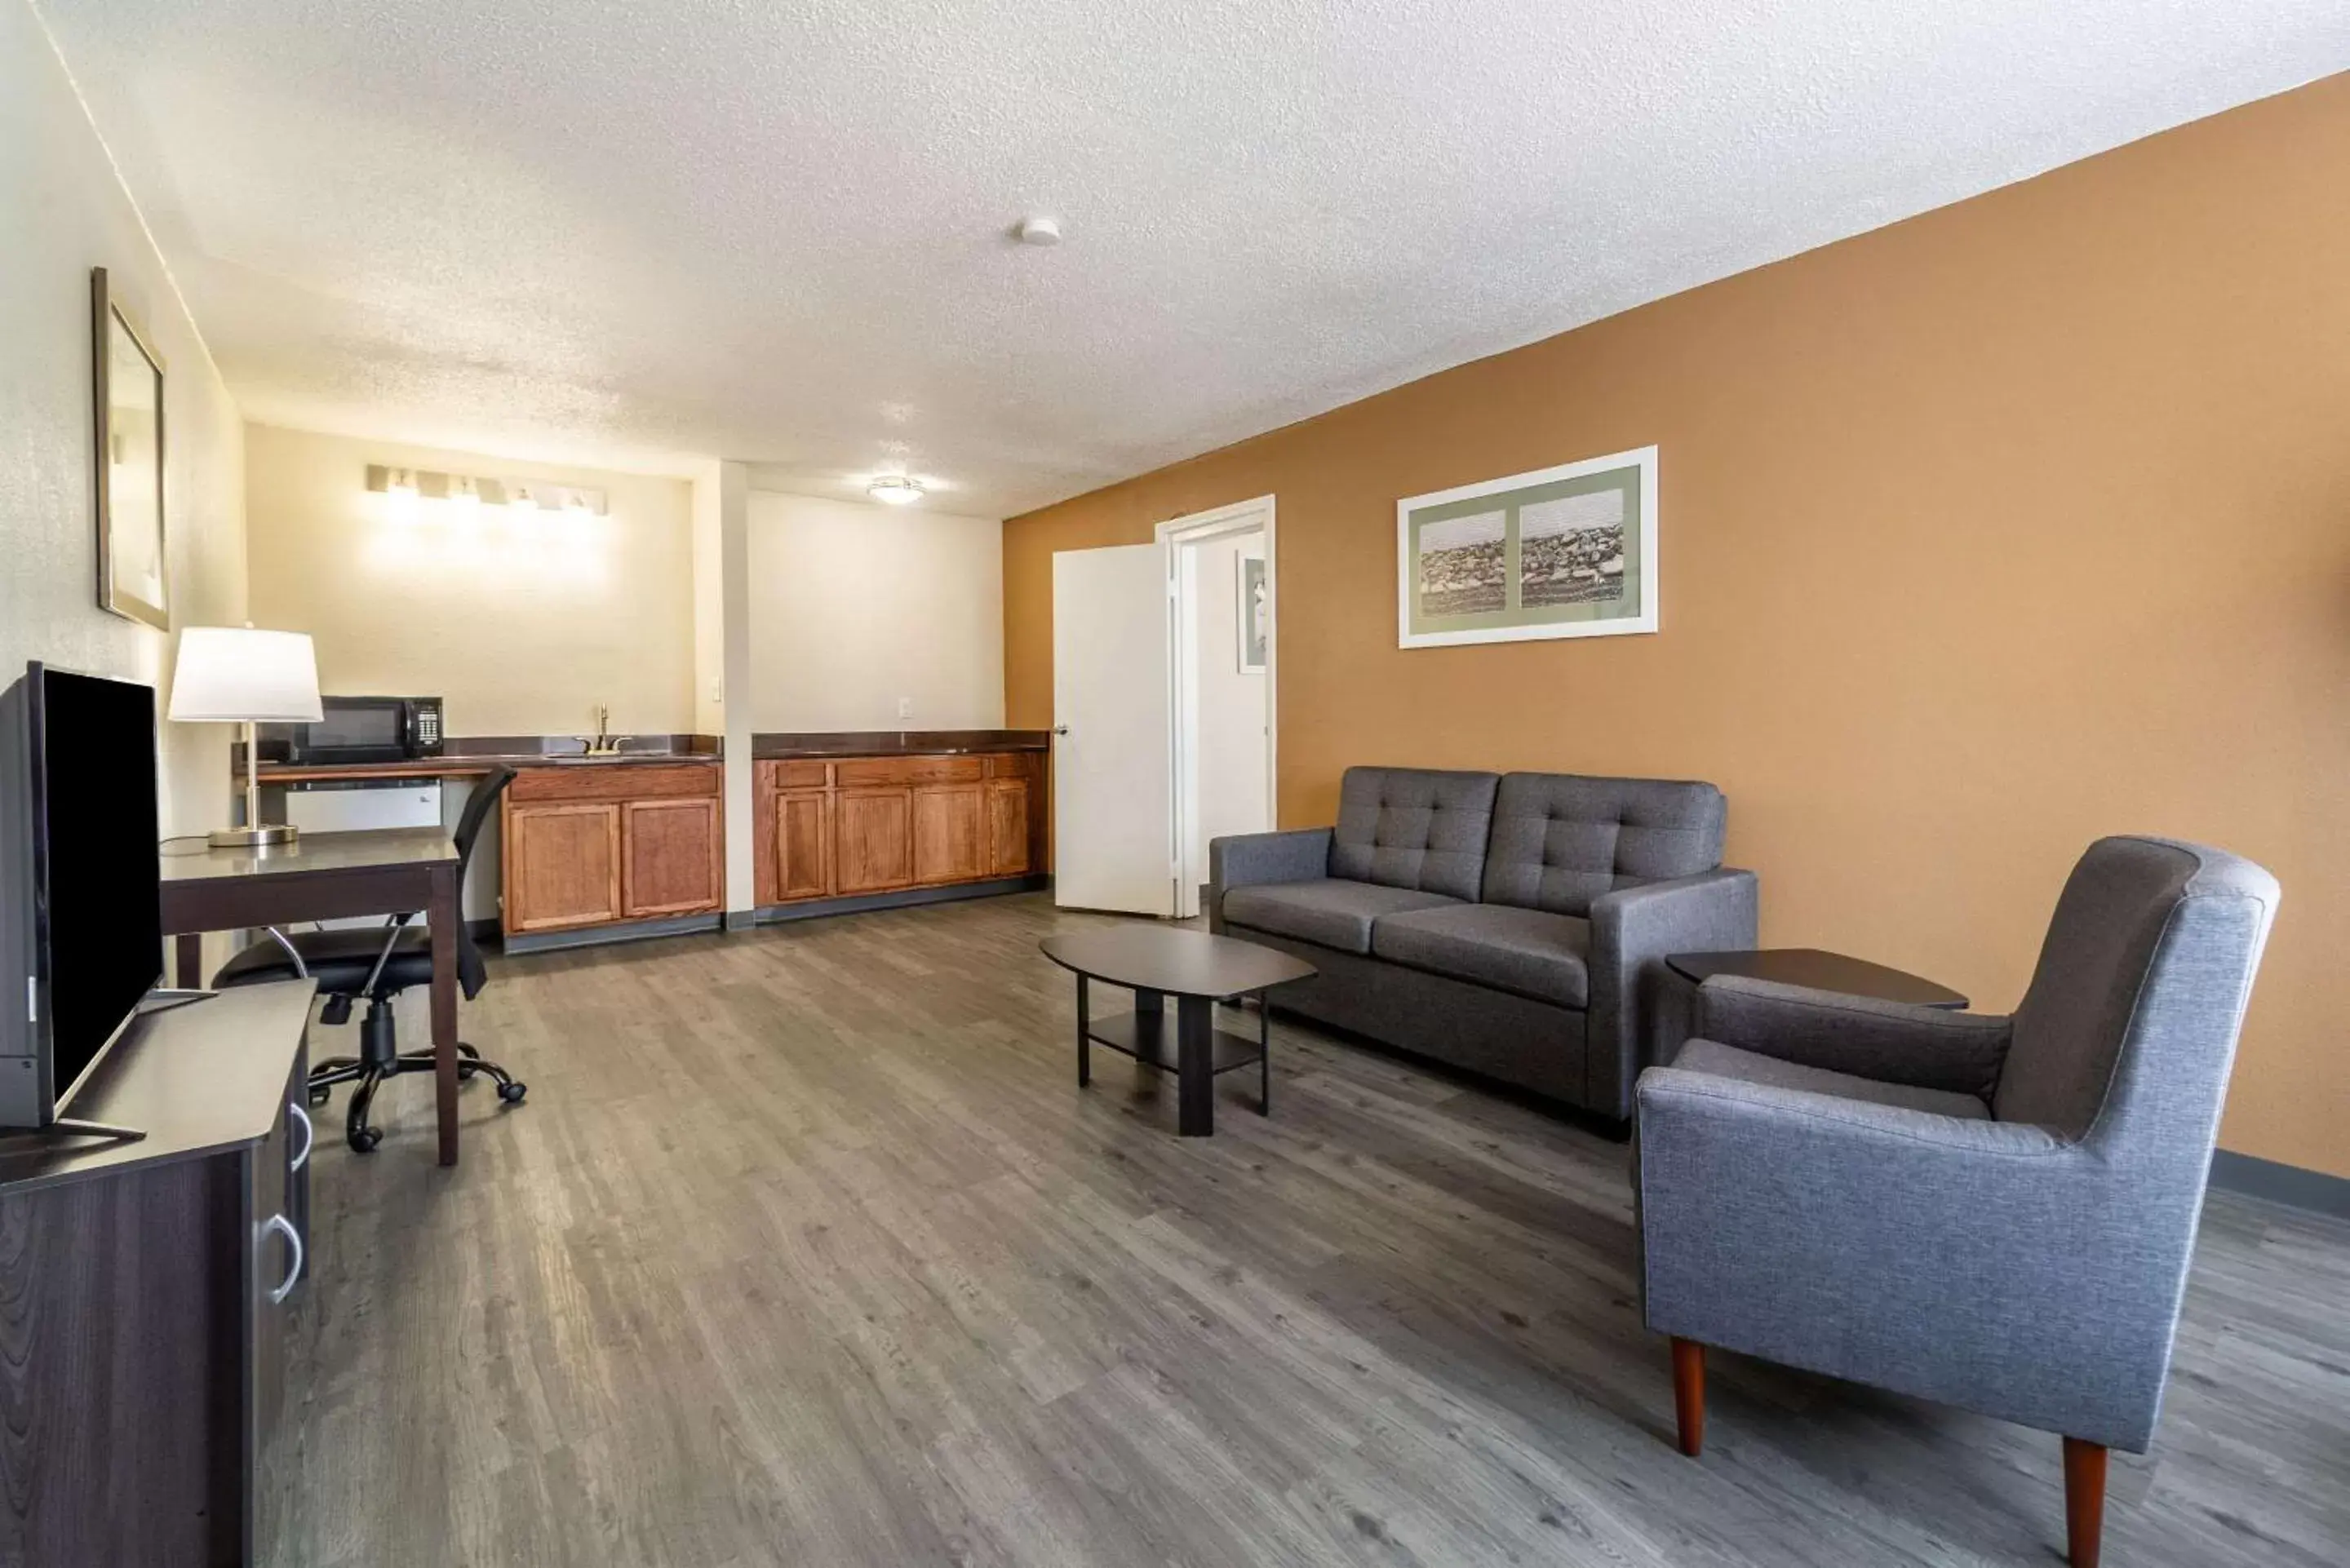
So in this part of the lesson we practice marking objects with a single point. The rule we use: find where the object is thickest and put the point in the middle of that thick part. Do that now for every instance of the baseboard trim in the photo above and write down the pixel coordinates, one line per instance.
(595, 936)
(2288, 1184)
(812, 908)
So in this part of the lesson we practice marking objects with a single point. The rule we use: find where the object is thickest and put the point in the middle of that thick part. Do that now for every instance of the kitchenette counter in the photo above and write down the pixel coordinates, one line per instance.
(471, 756)
(774, 747)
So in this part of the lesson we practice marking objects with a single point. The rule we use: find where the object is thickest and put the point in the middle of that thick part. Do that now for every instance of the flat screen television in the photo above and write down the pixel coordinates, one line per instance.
(85, 907)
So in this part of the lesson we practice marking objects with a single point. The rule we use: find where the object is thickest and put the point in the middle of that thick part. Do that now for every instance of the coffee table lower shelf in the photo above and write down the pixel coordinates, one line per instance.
(1151, 1038)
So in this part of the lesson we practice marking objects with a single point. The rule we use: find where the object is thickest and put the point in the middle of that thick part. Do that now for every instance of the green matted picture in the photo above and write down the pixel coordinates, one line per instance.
(1561, 552)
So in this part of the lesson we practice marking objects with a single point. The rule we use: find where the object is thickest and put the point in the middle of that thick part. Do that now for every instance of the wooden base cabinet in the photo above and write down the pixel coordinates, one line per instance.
(873, 840)
(840, 828)
(597, 846)
(950, 843)
(670, 862)
(1008, 828)
(562, 864)
(803, 868)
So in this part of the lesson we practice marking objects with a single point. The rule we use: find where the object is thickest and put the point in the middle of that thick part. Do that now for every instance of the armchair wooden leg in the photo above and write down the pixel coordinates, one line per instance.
(1688, 1394)
(2085, 1501)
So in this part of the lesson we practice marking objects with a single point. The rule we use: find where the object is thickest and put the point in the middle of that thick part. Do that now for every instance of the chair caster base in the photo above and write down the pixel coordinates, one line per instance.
(512, 1092)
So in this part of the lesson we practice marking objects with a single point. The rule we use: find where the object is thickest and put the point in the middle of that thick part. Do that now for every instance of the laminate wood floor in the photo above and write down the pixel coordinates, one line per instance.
(807, 1249)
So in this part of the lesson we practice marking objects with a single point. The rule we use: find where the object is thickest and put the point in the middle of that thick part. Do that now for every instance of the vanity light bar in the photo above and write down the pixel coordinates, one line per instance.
(384, 479)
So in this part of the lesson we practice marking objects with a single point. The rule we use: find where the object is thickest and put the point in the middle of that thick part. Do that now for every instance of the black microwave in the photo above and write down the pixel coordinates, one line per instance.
(358, 730)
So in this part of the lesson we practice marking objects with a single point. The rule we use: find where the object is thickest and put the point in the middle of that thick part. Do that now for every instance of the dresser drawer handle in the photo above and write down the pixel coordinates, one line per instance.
(310, 1137)
(284, 1227)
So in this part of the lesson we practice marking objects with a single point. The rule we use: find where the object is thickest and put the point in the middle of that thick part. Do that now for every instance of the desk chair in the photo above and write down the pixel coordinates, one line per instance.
(351, 964)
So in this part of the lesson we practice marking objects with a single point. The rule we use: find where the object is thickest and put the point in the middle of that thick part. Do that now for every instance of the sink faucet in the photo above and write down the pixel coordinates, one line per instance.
(606, 743)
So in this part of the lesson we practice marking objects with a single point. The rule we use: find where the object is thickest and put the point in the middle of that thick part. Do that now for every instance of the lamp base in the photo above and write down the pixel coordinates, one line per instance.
(268, 835)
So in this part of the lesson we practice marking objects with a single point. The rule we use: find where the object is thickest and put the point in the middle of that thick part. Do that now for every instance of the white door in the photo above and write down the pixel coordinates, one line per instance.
(1113, 805)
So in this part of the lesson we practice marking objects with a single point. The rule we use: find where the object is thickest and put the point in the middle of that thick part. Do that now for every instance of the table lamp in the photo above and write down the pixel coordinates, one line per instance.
(235, 675)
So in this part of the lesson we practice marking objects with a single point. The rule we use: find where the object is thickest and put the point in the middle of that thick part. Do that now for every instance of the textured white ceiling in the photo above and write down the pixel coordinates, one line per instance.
(631, 232)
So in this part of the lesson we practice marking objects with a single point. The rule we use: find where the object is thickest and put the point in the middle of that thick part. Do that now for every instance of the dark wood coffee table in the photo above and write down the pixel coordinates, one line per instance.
(1198, 970)
(1820, 971)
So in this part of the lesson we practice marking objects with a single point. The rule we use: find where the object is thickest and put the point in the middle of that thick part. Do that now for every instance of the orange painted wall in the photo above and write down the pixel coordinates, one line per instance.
(2019, 523)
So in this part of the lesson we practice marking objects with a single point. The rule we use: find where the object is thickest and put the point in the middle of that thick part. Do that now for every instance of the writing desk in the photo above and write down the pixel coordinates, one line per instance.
(325, 877)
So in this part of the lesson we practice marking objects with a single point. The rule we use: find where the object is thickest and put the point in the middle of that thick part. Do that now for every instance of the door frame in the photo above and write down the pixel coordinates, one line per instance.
(1183, 712)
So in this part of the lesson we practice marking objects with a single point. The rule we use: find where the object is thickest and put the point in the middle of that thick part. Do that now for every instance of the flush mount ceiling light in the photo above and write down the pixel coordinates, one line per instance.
(894, 490)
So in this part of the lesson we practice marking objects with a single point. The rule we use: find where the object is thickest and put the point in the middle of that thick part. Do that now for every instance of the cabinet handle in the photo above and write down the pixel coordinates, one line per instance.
(310, 1137)
(284, 1227)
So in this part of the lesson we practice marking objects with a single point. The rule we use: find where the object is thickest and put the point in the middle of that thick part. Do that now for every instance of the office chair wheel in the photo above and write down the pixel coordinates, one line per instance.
(512, 1092)
(320, 1094)
(364, 1139)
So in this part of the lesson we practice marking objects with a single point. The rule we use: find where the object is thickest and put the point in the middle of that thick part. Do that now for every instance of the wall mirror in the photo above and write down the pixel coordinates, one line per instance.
(132, 580)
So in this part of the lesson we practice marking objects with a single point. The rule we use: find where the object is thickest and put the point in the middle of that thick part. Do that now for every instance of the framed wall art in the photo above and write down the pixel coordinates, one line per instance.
(127, 398)
(1561, 552)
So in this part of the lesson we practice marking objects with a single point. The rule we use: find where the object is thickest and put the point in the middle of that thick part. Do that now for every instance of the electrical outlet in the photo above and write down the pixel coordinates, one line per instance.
(905, 707)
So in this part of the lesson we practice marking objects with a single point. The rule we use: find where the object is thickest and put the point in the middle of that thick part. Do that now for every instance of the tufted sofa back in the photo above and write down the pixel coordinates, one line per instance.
(1413, 828)
(1560, 840)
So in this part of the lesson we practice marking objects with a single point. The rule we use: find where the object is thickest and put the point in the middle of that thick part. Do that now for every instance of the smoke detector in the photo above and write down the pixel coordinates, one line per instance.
(1039, 232)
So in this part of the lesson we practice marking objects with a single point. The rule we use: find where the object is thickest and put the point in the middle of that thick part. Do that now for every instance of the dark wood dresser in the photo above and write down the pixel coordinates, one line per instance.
(145, 1289)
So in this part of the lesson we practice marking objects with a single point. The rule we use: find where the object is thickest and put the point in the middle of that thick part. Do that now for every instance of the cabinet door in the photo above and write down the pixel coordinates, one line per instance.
(802, 844)
(562, 864)
(672, 857)
(1007, 827)
(950, 832)
(873, 839)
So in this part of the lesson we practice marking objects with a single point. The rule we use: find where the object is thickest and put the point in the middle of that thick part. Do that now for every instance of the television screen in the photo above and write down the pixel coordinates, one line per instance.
(100, 920)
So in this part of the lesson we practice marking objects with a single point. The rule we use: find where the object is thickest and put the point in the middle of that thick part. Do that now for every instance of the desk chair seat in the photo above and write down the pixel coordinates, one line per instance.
(375, 964)
(341, 961)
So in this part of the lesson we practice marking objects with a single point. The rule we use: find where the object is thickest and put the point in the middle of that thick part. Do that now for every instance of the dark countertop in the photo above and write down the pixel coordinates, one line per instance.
(475, 754)
(895, 742)
(195, 1079)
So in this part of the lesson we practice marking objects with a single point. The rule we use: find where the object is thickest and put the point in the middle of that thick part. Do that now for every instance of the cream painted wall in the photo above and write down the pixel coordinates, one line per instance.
(523, 627)
(854, 606)
(64, 211)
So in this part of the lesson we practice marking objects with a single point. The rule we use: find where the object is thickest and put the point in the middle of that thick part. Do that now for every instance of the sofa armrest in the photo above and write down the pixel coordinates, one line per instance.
(1248, 859)
(1893, 1042)
(1993, 1265)
(1632, 930)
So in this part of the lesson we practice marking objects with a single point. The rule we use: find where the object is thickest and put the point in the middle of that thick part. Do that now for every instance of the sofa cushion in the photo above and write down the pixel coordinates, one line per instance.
(1528, 951)
(1702, 1055)
(1560, 840)
(1330, 910)
(1413, 828)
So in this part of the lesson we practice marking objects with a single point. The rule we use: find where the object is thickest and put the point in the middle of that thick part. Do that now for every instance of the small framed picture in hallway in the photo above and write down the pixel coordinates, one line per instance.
(1253, 613)
(1568, 551)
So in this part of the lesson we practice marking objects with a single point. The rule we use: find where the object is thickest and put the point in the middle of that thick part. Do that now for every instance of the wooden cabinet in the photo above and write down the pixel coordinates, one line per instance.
(562, 864)
(671, 861)
(149, 1288)
(873, 839)
(854, 826)
(1007, 827)
(595, 846)
(803, 861)
(950, 832)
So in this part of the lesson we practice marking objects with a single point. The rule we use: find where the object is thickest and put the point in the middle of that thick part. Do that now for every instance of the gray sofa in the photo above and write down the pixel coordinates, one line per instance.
(1507, 924)
(1990, 1211)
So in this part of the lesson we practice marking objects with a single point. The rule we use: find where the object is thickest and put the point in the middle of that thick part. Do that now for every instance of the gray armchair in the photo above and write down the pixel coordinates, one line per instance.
(1992, 1212)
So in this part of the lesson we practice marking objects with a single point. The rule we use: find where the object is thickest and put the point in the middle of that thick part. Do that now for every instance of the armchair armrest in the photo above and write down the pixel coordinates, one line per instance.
(1894, 1041)
(1248, 859)
(1633, 929)
(1993, 1265)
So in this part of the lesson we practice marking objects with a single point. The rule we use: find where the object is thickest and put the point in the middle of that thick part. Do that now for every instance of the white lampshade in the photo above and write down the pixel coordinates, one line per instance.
(235, 675)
